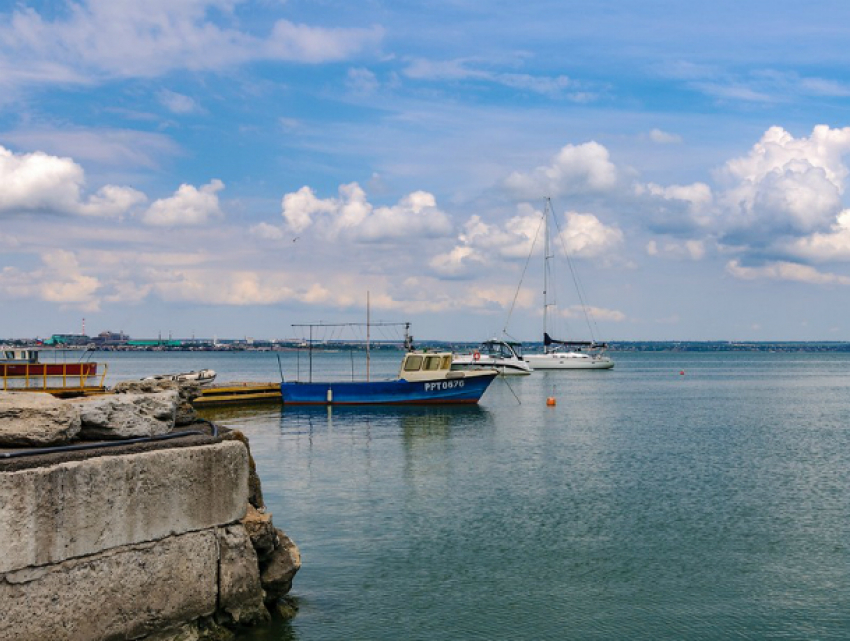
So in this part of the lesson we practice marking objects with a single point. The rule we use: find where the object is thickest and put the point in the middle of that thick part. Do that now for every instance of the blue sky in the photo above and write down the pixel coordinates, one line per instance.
(230, 168)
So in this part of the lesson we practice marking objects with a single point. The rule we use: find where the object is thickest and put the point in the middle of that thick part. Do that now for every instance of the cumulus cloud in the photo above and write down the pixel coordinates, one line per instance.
(352, 216)
(782, 270)
(189, 206)
(595, 313)
(109, 38)
(586, 237)
(481, 243)
(828, 246)
(787, 185)
(576, 169)
(38, 182)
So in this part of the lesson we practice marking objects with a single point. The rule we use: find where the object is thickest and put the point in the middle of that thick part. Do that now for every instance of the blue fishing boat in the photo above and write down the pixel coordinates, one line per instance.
(424, 378)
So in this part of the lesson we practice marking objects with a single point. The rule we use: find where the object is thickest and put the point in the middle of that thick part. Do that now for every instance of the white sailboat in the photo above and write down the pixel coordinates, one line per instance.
(557, 353)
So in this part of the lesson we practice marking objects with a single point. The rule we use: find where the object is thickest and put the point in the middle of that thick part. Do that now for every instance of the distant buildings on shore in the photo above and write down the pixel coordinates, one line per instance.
(119, 341)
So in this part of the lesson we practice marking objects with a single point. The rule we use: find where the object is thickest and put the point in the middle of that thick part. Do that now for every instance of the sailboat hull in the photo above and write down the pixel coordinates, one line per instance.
(568, 360)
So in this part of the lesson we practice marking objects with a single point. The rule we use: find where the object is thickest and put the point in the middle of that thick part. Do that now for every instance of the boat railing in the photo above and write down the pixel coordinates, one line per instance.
(35, 377)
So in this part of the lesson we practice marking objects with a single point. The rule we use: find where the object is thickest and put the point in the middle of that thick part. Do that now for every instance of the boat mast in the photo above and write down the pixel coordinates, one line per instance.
(368, 327)
(546, 257)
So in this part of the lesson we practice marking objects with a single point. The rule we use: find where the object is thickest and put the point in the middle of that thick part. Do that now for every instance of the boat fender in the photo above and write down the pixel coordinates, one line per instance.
(476, 356)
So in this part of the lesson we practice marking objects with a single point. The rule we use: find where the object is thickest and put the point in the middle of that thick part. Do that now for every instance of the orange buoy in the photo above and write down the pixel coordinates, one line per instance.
(550, 402)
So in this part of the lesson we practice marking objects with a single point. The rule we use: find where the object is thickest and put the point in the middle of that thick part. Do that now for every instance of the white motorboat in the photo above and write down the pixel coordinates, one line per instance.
(563, 354)
(503, 356)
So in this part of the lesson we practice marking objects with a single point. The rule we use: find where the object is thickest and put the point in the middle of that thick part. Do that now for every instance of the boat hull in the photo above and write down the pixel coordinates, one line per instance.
(44, 376)
(504, 367)
(465, 390)
(568, 361)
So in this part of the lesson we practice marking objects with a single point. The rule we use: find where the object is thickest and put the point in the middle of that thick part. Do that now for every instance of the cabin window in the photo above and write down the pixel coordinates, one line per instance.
(432, 363)
(412, 363)
(447, 362)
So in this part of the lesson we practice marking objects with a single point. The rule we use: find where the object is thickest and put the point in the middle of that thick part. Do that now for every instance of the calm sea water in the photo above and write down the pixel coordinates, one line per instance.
(647, 504)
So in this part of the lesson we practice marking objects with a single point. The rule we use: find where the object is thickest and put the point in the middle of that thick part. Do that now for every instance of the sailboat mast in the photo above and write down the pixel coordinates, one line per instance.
(368, 335)
(546, 257)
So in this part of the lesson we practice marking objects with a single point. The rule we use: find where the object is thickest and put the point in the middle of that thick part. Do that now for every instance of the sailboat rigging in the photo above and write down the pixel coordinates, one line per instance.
(559, 353)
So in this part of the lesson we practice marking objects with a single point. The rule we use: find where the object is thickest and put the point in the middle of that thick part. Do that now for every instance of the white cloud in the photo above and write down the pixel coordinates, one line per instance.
(353, 217)
(38, 182)
(783, 270)
(689, 249)
(664, 138)
(266, 231)
(457, 262)
(786, 184)
(361, 81)
(114, 38)
(595, 313)
(60, 280)
(576, 169)
(698, 195)
(465, 69)
(178, 103)
(585, 236)
(827, 246)
(189, 206)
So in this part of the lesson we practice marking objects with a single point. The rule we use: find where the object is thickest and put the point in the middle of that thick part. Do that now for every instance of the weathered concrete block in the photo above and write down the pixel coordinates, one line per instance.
(50, 514)
(36, 418)
(240, 593)
(117, 416)
(121, 594)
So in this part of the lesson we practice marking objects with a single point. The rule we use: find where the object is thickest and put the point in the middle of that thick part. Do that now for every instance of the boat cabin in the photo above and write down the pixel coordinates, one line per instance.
(18, 356)
(500, 349)
(417, 366)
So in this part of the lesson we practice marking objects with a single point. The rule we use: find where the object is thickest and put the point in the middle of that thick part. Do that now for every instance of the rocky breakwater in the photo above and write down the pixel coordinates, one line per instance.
(124, 517)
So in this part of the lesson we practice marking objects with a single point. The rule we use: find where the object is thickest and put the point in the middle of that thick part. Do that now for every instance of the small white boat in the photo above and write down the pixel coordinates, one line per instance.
(201, 377)
(503, 356)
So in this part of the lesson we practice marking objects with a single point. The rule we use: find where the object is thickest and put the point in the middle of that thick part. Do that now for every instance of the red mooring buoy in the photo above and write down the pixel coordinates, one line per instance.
(682, 373)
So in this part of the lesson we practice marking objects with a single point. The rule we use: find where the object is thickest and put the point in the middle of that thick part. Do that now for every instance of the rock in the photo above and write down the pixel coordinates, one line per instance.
(186, 414)
(287, 608)
(36, 418)
(240, 599)
(118, 416)
(281, 568)
(262, 532)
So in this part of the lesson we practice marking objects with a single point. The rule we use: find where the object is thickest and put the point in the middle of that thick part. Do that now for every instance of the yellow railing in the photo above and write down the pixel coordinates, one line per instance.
(36, 382)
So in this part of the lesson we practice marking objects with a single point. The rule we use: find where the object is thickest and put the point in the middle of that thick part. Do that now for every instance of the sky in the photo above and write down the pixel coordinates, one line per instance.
(230, 168)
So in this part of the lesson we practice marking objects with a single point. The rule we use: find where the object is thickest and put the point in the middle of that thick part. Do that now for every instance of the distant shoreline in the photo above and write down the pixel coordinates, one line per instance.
(613, 346)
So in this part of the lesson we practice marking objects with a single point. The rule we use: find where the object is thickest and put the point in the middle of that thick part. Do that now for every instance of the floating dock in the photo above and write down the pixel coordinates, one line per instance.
(239, 393)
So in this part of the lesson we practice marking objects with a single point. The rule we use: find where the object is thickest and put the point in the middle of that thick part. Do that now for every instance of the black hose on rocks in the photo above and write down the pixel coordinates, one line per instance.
(94, 446)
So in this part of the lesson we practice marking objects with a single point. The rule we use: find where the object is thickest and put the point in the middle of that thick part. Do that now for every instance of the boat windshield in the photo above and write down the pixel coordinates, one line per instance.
(497, 349)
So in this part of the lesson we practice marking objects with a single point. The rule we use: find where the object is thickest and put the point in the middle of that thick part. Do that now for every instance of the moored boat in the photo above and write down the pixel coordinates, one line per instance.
(424, 378)
(503, 356)
(23, 369)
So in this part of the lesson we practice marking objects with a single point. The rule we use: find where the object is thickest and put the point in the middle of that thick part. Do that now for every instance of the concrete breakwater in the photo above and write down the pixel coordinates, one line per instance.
(162, 535)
